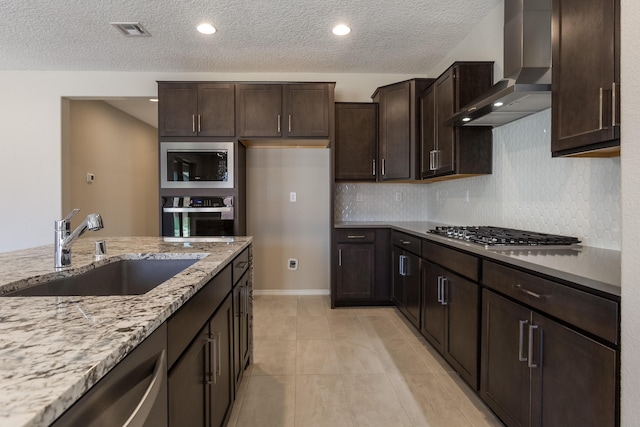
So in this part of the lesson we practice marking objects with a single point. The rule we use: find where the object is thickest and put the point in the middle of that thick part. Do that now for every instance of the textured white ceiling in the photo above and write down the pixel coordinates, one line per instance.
(388, 36)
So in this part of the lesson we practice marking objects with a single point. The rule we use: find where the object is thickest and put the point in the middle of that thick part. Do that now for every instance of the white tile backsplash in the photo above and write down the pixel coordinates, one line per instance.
(528, 189)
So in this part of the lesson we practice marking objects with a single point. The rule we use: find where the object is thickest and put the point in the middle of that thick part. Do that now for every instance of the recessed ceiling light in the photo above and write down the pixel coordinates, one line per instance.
(153, 99)
(341, 30)
(206, 29)
(466, 119)
(498, 104)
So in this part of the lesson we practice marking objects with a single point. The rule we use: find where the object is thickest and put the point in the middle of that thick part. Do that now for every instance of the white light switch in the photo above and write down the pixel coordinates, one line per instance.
(90, 178)
(292, 196)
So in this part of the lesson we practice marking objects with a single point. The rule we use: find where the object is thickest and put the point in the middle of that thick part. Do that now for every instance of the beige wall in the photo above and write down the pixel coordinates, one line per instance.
(122, 153)
(283, 229)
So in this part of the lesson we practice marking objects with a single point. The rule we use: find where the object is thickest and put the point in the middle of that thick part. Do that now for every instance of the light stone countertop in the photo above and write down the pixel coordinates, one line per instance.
(594, 269)
(53, 349)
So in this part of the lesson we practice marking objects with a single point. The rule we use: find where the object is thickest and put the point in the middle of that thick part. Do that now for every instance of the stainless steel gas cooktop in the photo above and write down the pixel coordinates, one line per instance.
(498, 236)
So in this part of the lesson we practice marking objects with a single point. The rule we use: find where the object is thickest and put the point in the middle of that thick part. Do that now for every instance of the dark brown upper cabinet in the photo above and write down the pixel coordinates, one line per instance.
(399, 129)
(585, 89)
(284, 110)
(454, 152)
(356, 142)
(196, 109)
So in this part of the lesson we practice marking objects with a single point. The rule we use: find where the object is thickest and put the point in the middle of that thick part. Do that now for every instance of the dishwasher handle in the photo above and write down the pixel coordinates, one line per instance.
(139, 415)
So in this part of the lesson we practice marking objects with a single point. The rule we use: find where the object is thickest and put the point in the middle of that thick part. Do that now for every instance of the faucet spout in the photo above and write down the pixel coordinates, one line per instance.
(64, 238)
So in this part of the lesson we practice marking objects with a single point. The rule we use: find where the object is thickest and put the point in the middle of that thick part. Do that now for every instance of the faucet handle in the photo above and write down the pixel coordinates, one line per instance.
(71, 214)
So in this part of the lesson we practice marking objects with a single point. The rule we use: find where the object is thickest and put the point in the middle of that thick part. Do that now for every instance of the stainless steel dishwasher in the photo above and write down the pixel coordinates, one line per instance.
(132, 394)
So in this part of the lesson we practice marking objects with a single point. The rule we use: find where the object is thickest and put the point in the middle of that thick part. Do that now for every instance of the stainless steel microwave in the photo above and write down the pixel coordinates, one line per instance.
(196, 164)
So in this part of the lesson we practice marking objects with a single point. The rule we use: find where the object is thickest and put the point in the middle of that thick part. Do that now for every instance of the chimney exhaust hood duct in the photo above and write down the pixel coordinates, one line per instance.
(526, 88)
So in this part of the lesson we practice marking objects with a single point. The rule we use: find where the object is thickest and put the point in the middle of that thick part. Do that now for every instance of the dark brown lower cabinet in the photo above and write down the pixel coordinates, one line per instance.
(538, 372)
(450, 312)
(201, 381)
(361, 268)
(406, 284)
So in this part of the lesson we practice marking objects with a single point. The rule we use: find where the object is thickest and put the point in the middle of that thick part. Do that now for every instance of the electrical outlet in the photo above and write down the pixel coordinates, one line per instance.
(292, 264)
(90, 178)
(398, 196)
(292, 196)
(359, 197)
(466, 198)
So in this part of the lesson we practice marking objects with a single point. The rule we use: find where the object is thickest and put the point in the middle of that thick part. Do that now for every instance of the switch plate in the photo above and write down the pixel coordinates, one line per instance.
(359, 197)
(292, 196)
(292, 264)
(90, 178)
(398, 196)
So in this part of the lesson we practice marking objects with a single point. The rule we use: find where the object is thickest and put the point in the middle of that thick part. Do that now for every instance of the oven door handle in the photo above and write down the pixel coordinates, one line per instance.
(224, 209)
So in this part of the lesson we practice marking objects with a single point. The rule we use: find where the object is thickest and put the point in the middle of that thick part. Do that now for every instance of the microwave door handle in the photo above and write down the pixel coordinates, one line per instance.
(196, 210)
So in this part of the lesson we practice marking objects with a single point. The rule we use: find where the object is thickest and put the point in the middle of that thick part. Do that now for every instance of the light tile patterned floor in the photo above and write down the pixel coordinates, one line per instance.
(314, 366)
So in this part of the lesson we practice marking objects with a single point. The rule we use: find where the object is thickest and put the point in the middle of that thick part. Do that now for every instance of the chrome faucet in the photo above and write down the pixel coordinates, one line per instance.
(64, 237)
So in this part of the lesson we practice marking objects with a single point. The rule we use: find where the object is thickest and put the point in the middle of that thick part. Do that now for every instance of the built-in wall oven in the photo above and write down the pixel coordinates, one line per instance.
(196, 164)
(191, 216)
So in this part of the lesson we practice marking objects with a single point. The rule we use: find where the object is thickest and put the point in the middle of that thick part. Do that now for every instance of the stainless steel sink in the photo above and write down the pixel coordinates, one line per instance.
(127, 277)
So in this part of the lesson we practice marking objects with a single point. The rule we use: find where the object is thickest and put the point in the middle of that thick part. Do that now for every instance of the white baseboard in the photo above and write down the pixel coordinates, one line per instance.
(281, 292)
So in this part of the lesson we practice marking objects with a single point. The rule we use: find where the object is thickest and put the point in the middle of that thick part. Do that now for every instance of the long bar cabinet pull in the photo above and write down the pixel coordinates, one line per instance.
(613, 104)
(355, 236)
(289, 123)
(521, 357)
(374, 167)
(530, 353)
(440, 289)
(339, 257)
(278, 122)
(600, 110)
(199, 122)
(382, 167)
(445, 290)
(193, 123)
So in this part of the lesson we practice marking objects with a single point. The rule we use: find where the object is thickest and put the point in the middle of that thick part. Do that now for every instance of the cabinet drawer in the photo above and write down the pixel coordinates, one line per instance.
(240, 265)
(406, 241)
(589, 312)
(460, 262)
(185, 323)
(357, 235)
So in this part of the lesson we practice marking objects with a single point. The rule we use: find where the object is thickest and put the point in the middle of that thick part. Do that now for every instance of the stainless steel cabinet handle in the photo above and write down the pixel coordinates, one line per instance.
(374, 167)
(403, 265)
(613, 104)
(528, 292)
(383, 172)
(242, 264)
(219, 357)
(440, 289)
(246, 299)
(278, 122)
(355, 236)
(432, 160)
(445, 290)
(199, 123)
(289, 122)
(405, 242)
(139, 415)
(600, 110)
(214, 341)
(339, 257)
(521, 357)
(530, 352)
(193, 123)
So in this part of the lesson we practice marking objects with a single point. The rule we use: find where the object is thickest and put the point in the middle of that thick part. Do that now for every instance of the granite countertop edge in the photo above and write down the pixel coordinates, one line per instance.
(591, 268)
(54, 349)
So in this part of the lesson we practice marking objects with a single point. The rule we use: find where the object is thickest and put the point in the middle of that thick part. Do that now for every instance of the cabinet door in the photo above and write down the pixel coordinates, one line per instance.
(307, 113)
(177, 109)
(188, 385)
(259, 110)
(462, 301)
(412, 281)
(575, 379)
(221, 330)
(433, 311)
(356, 268)
(505, 381)
(395, 137)
(584, 37)
(216, 109)
(445, 146)
(238, 305)
(427, 132)
(356, 143)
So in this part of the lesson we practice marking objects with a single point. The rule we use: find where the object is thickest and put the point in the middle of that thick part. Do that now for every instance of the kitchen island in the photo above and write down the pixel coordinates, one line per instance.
(54, 349)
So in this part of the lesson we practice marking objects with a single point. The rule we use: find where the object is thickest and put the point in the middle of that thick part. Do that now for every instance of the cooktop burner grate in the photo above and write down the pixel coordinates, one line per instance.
(498, 236)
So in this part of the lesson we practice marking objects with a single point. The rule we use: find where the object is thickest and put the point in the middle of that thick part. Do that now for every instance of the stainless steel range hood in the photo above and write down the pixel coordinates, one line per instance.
(526, 88)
